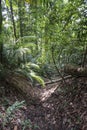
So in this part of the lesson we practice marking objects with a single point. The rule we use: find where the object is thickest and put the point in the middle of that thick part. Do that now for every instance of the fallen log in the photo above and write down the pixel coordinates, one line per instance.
(22, 84)
(76, 71)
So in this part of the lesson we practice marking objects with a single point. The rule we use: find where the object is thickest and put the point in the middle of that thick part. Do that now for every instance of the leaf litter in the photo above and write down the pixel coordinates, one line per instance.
(59, 108)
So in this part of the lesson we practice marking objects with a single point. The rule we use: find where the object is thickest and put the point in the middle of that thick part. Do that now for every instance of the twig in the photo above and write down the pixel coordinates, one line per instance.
(57, 80)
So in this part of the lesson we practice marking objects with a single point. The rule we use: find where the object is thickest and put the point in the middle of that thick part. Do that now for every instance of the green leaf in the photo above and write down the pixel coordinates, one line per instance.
(37, 78)
(7, 3)
(35, 66)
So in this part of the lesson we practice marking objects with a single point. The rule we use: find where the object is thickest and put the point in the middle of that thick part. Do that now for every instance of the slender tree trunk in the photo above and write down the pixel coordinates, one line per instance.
(0, 17)
(20, 14)
(36, 17)
(84, 57)
(1, 43)
(13, 22)
(64, 82)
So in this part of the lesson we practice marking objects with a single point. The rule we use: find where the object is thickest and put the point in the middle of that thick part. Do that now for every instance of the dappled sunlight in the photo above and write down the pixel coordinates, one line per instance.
(43, 65)
(47, 93)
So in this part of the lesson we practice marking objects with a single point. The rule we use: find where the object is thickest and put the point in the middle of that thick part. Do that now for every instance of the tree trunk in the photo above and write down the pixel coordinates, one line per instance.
(84, 57)
(0, 17)
(21, 13)
(13, 22)
(58, 71)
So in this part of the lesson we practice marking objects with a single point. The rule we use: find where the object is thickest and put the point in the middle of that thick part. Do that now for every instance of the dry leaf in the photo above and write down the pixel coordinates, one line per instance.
(15, 127)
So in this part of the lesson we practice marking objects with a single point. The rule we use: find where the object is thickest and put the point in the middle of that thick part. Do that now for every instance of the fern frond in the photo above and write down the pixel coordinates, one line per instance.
(37, 78)
(35, 66)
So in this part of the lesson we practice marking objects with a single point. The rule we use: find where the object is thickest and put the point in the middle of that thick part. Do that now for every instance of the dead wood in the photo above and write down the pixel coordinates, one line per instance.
(76, 71)
(56, 80)
(22, 84)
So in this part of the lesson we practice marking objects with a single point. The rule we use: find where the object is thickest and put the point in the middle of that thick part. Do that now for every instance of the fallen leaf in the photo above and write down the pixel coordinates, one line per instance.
(15, 127)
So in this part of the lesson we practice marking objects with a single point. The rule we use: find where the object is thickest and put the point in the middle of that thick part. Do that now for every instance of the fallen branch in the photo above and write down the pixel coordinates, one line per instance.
(57, 80)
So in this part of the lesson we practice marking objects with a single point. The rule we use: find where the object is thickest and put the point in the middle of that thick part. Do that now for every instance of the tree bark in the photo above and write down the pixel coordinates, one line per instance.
(0, 17)
(84, 57)
(1, 43)
(64, 82)
(13, 22)
(76, 71)
(21, 12)
(23, 85)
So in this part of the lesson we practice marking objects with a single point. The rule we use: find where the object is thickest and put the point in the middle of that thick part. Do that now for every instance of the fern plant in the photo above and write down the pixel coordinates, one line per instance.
(17, 59)
(28, 124)
(28, 70)
(9, 114)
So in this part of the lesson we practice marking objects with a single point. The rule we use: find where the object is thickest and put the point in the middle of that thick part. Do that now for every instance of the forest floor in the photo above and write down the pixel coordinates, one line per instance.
(59, 108)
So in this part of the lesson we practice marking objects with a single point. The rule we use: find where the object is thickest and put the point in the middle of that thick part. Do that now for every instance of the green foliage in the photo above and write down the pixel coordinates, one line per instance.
(14, 107)
(27, 124)
(9, 114)
(16, 58)
(2, 71)
(28, 70)
(41, 26)
(37, 78)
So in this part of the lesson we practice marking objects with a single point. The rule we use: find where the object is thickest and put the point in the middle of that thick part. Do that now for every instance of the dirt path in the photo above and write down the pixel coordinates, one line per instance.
(47, 92)
(58, 109)
(61, 110)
